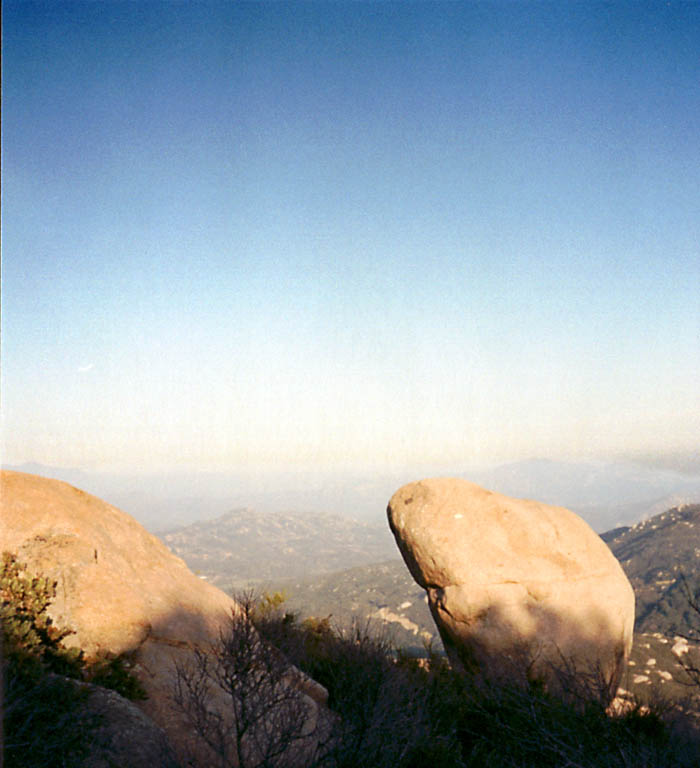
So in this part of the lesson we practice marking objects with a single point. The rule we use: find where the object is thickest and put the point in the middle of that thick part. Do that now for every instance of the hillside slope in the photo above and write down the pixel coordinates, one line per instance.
(384, 594)
(657, 555)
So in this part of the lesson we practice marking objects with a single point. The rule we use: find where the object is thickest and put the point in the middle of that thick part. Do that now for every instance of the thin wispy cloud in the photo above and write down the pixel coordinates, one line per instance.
(86, 368)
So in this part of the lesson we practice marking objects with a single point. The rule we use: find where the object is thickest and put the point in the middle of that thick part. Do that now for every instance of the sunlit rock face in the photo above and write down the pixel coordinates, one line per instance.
(118, 586)
(516, 587)
(119, 589)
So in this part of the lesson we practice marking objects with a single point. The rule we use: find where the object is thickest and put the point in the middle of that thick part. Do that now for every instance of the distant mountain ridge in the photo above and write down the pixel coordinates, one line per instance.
(605, 494)
(245, 545)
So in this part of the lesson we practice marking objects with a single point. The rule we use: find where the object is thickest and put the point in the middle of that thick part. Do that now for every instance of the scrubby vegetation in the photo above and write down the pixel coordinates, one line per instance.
(266, 721)
(396, 711)
(386, 708)
(46, 722)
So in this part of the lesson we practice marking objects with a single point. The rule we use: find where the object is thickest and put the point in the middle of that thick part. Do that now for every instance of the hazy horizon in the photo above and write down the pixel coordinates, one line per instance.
(332, 237)
(605, 493)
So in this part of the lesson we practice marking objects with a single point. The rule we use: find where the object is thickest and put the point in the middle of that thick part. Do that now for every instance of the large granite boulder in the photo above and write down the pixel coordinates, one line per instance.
(122, 591)
(516, 586)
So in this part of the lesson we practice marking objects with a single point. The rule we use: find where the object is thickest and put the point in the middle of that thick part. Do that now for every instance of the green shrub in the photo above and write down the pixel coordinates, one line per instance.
(115, 672)
(30, 638)
(46, 721)
(34, 645)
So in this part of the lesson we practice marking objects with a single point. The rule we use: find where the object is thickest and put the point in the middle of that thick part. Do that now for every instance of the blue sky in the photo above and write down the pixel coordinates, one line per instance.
(244, 235)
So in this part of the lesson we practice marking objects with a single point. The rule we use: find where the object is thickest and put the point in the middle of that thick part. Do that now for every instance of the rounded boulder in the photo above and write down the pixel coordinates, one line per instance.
(516, 586)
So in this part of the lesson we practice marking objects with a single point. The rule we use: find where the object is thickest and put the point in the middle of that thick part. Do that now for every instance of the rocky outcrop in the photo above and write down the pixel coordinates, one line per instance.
(515, 585)
(118, 587)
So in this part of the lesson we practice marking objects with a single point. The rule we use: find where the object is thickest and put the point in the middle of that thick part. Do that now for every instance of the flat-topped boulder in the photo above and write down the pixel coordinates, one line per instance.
(514, 584)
